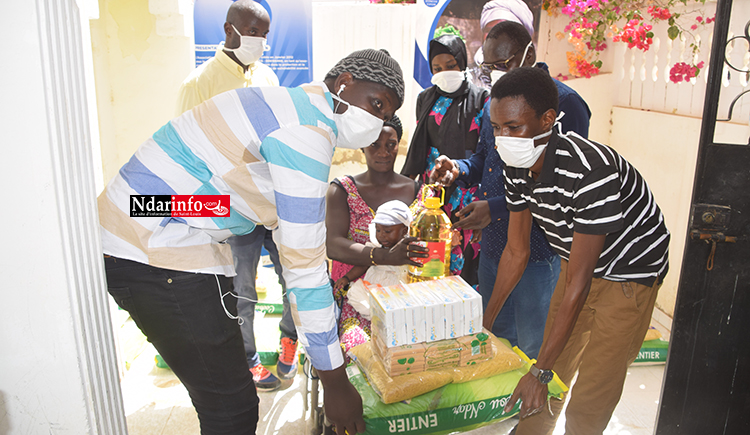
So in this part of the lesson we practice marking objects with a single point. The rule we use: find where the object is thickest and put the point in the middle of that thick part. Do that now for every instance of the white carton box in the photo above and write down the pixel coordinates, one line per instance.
(472, 303)
(415, 314)
(388, 316)
(434, 311)
(452, 308)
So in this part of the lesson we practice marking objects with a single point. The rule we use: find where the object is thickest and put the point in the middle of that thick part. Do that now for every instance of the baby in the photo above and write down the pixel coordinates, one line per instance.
(390, 224)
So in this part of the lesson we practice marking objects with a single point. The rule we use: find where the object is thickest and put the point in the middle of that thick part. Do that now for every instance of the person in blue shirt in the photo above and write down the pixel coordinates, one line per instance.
(522, 318)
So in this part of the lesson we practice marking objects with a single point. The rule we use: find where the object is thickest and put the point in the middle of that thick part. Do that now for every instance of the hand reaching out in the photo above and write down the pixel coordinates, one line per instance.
(474, 216)
(341, 283)
(342, 402)
(445, 171)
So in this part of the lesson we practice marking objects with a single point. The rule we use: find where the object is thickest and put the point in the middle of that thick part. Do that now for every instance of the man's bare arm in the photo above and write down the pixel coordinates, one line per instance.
(584, 254)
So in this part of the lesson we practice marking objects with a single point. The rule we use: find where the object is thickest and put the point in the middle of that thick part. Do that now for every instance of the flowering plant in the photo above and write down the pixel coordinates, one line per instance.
(628, 21)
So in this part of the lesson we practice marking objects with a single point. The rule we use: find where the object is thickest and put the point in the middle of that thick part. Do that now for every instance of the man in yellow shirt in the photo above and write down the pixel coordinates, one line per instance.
(236, 65)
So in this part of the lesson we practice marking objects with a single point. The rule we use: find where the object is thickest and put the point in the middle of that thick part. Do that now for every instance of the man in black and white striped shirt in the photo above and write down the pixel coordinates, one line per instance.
(600, 216)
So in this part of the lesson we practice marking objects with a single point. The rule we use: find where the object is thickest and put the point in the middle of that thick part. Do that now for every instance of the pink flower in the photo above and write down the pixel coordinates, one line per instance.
(659, 13)
(684, 72)
(600, 46)
(636, 34)
(693, 27)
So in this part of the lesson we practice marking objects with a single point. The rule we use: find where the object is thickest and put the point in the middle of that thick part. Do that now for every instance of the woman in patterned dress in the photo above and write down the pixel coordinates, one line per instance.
(350, 205)
(449, 115)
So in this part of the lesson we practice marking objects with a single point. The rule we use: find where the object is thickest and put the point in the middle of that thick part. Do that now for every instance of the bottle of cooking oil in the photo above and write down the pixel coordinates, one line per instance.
(433, 229)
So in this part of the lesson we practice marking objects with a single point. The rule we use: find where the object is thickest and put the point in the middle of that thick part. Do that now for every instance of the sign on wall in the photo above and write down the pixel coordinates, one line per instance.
(288, 47)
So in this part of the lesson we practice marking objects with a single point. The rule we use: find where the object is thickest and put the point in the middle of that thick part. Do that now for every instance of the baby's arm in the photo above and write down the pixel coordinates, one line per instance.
(350, 276)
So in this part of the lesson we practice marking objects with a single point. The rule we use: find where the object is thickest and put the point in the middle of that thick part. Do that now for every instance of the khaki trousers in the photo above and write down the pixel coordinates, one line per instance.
(606, 338)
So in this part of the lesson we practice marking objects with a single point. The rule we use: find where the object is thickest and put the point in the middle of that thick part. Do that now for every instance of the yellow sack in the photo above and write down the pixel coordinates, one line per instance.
(410, 385)
(652, 334)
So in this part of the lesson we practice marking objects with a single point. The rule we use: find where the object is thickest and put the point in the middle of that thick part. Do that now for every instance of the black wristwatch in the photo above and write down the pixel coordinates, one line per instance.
(544, 376)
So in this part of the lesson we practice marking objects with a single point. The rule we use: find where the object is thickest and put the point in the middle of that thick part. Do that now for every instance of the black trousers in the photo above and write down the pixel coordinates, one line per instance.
(181, 315)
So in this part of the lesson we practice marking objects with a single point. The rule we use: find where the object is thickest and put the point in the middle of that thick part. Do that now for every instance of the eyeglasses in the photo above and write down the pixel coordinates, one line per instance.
(500, 65)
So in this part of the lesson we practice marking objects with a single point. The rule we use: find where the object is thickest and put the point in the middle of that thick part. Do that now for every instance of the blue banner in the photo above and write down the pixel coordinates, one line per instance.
(288, 47)
(428, 14)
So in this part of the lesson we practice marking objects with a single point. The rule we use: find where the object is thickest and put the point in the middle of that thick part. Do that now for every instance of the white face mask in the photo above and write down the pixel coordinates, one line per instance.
(520, 152)
(357, 127)
(250, 49)
(448, 81)
(495, 74)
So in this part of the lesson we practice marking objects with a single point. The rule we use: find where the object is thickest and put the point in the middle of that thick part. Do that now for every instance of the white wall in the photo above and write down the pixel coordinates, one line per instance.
(665, 154)
(39, 389)
(50, 377)
(599, 95)
(387, 26)
(142, 51)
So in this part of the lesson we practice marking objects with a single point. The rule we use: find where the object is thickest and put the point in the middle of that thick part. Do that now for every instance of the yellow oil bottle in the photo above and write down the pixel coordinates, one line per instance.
(433, 229)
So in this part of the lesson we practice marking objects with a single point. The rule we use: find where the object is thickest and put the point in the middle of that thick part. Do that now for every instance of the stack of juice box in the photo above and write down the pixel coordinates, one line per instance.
(428, 325)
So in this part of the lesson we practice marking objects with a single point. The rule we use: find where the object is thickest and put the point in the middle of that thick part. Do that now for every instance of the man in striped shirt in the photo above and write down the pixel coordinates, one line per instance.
(270, 150)
(600, 216)
(236, 65)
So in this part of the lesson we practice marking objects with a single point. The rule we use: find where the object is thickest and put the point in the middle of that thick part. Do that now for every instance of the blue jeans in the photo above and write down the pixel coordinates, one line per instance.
(522, 318)
(181, 315)
(246, 252)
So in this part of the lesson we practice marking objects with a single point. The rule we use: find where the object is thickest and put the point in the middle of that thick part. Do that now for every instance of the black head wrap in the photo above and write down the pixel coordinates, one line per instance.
(454, 132)
(450, 44)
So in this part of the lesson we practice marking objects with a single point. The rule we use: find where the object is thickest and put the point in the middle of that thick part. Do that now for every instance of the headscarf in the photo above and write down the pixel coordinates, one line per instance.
(393, 213)
(450, 44)
(375, 66)
(390, 213)
(467, 101)
(508, 10)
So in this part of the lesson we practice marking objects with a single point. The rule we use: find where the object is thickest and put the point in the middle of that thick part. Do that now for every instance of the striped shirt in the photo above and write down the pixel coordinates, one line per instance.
(270, 149)
(588, 188)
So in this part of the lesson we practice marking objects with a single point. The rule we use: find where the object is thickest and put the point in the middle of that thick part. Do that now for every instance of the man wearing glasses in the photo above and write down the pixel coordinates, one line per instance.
(509, 46)
(522, 318)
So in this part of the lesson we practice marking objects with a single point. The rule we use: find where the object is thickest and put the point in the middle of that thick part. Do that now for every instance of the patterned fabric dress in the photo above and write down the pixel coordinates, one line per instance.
(353, 328)
(465, 256)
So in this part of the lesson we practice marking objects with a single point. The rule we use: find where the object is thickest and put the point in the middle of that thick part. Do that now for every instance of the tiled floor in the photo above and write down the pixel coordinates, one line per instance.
(156, 403)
